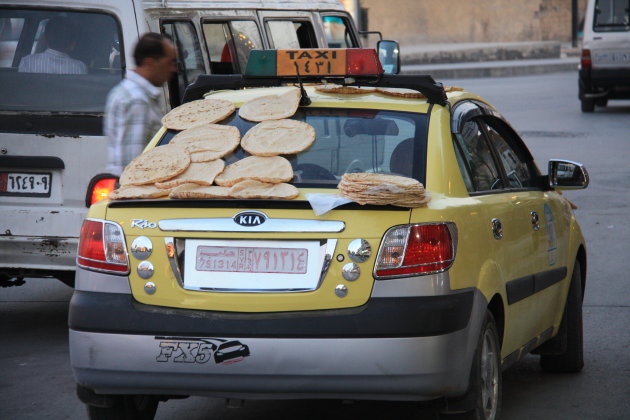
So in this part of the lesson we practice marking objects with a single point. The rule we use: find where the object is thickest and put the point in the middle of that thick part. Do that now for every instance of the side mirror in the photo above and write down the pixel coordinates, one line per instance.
(564, 174)
(389, 55)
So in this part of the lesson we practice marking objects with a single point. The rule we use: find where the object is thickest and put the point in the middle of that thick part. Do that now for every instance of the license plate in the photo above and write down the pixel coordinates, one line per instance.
(252, 259)
(241, 265)
(25, 184)
(612, 58)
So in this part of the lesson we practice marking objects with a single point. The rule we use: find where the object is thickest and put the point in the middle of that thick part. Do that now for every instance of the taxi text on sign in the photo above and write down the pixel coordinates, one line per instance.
(311, 62)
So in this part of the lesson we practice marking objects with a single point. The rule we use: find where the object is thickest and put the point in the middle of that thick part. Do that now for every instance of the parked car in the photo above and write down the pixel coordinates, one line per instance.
(52, 149)
(390, 302)
(605, 62)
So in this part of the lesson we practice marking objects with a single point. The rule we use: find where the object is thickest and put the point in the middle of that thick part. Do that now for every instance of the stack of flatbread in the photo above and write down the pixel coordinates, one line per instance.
(191, 165)
(381, 189)
(345, 90)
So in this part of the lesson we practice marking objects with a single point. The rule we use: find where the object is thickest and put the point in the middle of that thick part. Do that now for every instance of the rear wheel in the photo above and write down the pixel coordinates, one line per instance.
(601, 102)
(485, 386)
(572, 358)
(126, 407)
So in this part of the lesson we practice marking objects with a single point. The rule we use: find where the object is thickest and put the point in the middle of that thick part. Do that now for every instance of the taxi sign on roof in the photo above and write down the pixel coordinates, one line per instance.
(313, 62)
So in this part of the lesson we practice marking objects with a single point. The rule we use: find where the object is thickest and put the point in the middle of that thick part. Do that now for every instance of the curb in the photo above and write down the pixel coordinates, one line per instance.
(494, 69)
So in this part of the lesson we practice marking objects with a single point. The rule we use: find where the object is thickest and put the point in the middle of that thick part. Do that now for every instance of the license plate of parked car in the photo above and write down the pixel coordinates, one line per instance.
(23, 183)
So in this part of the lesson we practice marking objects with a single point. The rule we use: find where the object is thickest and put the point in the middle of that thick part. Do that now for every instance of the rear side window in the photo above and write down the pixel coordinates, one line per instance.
(338, 32)
(58, 61)
(229, 44)
(291, 34)
(351, 141)
(612, 15)
(476, 160)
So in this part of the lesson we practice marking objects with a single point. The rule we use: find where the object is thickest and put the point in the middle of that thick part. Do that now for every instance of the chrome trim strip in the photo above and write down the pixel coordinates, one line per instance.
(270, 225)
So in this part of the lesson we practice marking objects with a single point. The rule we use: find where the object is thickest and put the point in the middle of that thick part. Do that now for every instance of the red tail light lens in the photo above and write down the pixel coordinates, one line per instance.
(585, 59)
(101, 189)
(102, 247)
(410, 250)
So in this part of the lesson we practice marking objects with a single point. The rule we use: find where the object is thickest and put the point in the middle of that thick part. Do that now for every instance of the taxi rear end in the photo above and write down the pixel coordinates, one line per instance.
(284, 299)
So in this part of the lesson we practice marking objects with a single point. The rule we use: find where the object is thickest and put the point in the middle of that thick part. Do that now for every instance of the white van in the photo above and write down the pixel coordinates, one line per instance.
(52, 149)
(605, 63)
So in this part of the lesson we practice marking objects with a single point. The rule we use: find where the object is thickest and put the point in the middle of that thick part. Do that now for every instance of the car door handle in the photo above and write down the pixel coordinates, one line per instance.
(497, 228)
(535, 220)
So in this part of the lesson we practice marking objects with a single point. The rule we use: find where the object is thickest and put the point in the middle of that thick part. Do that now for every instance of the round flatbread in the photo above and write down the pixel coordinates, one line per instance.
(270, 169)
(202, 111)
(202, 173)
(401, 93)
(271, 107)
(216, 138)
(344, 90)
(188, 191)
(138, 191)
(252, 189)
(281, 137)
(158, 164)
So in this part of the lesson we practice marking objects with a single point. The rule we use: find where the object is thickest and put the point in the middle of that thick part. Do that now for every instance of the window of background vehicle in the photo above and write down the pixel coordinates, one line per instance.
(338, 33)
(351, 141)
(189, 58)
(477, 162)
(286, 34)
(97, 46)
(517, 171)
(612, 15)
(229, 40)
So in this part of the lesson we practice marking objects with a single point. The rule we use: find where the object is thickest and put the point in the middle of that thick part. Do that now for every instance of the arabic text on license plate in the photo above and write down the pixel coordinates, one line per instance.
(252, 259)
(21, 183)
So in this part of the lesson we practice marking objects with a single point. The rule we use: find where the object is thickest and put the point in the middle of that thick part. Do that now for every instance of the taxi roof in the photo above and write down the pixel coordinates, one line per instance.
(319, 99)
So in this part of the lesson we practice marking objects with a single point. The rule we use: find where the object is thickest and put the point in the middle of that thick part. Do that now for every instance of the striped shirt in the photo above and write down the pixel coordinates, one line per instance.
(133, 113)
(51, 62)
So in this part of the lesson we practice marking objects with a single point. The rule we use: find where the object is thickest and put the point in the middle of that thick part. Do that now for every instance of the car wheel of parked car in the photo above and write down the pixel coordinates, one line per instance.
(126, 407)
(572, 360)
(485, 387)
(588, 105)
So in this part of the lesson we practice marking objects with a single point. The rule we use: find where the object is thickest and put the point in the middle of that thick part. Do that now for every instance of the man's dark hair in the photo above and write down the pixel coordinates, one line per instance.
(61, 33)
(149, 45)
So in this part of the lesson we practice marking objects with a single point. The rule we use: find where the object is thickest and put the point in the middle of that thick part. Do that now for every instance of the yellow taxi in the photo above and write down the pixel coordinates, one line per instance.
(348, 301)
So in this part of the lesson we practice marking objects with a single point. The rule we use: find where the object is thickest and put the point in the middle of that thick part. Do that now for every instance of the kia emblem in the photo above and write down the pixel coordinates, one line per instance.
(250, 218)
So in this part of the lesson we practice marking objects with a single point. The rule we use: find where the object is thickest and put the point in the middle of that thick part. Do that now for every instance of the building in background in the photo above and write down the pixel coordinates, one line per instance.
(430, 21)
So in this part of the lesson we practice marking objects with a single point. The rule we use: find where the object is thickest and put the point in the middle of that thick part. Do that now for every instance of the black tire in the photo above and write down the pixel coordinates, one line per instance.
(602, 102)
(572, 359)
(126, 407)
(485, 388)
(588, 105)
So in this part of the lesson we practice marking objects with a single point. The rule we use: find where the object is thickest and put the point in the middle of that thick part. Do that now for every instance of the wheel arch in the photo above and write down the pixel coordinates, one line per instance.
(581, 258)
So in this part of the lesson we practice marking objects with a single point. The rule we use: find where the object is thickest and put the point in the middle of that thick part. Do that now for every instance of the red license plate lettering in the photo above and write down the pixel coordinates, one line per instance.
(252, 259)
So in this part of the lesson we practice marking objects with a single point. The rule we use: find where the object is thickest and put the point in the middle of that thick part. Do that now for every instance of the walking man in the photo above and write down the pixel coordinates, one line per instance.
(134, 108)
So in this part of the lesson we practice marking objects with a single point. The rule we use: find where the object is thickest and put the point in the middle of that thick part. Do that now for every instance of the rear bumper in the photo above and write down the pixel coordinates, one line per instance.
(350, 353)
(615, 82)
(37, 253)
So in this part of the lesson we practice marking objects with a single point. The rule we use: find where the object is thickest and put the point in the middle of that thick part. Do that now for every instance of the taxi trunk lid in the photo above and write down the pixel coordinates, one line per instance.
(250, 256)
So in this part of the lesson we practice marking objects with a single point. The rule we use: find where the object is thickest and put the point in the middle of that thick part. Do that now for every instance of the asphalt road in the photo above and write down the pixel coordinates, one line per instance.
(36, 381)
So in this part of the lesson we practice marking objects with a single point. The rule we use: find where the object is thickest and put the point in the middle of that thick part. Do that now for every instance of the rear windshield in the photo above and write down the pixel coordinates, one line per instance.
(612, 15)
(58, 60)
(347, 141)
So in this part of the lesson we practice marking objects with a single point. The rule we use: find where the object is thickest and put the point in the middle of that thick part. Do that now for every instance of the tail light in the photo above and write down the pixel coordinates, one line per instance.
(99, 188)
(410, 250)
(585, 59)
(102, 247)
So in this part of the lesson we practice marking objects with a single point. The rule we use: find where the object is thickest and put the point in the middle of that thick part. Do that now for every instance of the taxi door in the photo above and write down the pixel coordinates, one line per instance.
(532, 291)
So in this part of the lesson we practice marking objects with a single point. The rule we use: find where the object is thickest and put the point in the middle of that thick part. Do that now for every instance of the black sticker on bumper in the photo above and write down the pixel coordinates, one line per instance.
(200, 350)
